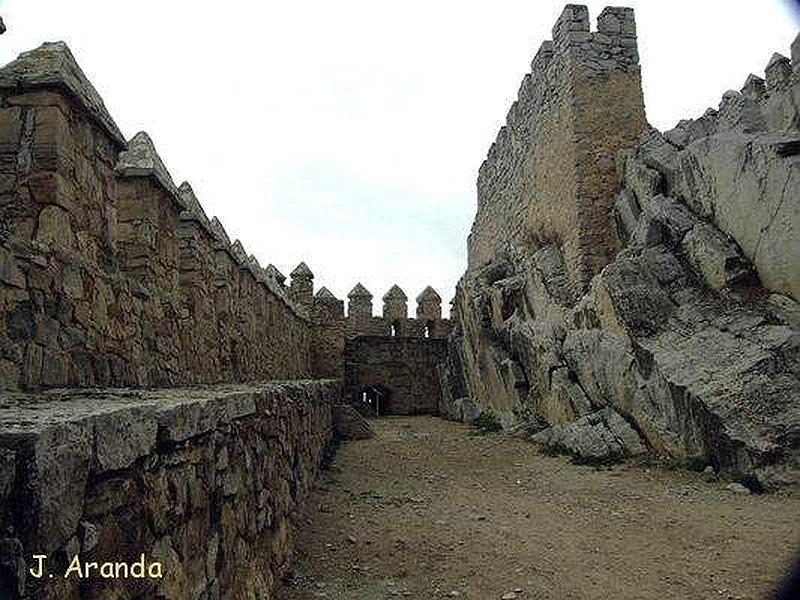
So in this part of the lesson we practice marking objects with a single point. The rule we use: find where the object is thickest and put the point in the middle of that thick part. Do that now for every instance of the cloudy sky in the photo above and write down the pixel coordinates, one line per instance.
(349, 134)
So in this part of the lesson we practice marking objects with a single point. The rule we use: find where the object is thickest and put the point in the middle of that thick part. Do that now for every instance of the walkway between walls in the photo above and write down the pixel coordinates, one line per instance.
(426, 509)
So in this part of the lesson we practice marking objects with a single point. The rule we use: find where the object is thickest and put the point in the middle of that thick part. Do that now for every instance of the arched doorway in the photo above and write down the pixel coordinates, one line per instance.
(375, 400)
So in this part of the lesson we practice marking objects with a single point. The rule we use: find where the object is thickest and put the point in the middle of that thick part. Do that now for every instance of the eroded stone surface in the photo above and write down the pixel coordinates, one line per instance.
(689, 328)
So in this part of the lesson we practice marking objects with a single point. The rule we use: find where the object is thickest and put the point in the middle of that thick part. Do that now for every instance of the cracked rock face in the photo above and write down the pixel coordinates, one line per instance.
(689, 337)
(601, 436)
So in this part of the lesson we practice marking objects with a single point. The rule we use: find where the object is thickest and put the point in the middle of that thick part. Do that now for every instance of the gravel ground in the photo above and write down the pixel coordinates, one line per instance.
(427, 509)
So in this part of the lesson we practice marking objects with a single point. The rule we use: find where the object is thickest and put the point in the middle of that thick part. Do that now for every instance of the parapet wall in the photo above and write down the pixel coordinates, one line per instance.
(109, 274)
(394, 321)
(550, 174)
(205, 482)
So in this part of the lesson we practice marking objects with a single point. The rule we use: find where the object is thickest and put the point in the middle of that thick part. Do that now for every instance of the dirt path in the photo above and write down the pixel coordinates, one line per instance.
(427, 510)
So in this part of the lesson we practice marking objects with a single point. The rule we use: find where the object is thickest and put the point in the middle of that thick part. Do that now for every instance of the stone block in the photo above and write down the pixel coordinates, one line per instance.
(601, 436)
(124, 436)
(10, 129)
(54, 228)
(716, 258)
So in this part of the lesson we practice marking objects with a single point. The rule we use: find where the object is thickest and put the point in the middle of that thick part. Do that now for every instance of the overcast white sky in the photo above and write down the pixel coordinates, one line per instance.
(349, 134)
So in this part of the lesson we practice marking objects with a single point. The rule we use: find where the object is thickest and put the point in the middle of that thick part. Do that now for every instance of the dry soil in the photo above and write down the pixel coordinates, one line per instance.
(428, 509)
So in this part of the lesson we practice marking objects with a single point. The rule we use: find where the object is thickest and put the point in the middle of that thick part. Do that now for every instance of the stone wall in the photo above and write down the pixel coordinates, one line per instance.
(405, 369)
(205, 481)
(110, 275)
(394, 321)
(549, 175)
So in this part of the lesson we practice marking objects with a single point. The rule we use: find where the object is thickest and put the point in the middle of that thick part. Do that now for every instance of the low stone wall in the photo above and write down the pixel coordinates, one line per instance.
(203, 481)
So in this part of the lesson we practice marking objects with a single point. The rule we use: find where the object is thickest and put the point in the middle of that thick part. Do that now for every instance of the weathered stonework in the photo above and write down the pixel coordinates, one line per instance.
(110, 274)
(206, 481)
(685, 322)
(549, 176)
(404, 368)
(394, 353)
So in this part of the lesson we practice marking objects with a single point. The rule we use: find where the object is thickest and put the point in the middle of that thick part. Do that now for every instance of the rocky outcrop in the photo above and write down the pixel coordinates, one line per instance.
(603, 436)
(204, 481)
(690, 333)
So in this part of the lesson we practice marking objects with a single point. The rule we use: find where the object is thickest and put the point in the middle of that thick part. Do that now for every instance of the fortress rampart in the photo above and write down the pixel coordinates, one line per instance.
(112, 275)
(550, 174)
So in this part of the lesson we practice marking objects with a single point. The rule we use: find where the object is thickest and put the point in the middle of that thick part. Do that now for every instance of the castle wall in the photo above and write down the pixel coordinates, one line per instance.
(105, 280)
(408, 327)
(406, 367)
(206, 481)
(550, 174)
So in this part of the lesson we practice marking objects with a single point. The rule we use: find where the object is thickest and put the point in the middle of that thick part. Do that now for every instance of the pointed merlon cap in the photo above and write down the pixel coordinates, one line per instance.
(395, 293)
(52, 65)
(359, 291)
(273, 273)
(141, 159)
(754, 87)
(301, 271)
(194, 211)
(238, 252)
(255, 268)
(429, 294)
(219, 231)
(777, 58)
(325, 294)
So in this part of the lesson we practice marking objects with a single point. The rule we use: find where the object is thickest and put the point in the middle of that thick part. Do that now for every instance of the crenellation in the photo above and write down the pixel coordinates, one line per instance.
(301, 289)
(275, 274)
(574, 19)
(616, 277)
(219, 232)
(754, 87)
(778, 73)
(120, 275)
(395, 305)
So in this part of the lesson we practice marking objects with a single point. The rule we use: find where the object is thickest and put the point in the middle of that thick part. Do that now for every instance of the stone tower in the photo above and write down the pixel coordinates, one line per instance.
(550, 175)
(302, 285)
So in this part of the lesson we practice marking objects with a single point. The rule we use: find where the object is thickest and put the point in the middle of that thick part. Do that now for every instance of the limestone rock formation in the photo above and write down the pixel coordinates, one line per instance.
(688, 335)
(602, 436)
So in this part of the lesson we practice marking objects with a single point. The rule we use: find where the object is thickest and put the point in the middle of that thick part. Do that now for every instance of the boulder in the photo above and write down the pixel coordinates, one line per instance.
(602, 436)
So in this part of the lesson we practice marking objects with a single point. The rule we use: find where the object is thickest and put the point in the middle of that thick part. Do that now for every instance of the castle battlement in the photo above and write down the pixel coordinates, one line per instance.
(113, 275)
(394, 320)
